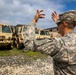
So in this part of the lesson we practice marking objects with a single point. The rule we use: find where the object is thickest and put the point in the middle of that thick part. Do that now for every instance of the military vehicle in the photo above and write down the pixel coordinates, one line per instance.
(19, 36)
(53, 32)
(37, 33)
(5, 36)
(19, 33)
(41, 34)
(44, 34)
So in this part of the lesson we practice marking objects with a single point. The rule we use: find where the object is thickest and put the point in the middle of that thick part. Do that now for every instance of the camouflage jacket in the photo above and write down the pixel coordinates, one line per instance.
(61, 49)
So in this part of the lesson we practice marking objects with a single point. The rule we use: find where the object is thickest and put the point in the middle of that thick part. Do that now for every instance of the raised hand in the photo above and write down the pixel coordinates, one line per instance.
(38, 15)
(55, 16)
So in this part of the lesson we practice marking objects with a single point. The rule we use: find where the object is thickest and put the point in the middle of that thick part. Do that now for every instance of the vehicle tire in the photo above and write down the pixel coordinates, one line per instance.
(22, 46)
(9, 46)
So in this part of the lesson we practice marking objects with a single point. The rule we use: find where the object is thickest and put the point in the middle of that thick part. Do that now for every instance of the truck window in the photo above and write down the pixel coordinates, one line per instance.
(42, 33)
(36, 31)
(47, 33)
(6, 29)
(24, 29)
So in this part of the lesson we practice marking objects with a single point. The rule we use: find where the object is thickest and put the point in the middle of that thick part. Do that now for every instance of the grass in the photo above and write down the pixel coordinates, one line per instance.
(5, 52)
(15, 52)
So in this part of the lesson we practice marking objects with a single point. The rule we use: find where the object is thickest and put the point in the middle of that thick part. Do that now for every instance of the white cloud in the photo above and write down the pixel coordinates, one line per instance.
(22, 11)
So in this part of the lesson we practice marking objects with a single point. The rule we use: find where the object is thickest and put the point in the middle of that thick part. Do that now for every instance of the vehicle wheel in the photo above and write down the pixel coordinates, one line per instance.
(9, 46)
(22, 46)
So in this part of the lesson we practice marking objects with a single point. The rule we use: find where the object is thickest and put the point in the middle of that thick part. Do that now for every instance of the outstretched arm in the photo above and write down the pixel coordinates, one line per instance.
(29, 34)
(47, 46)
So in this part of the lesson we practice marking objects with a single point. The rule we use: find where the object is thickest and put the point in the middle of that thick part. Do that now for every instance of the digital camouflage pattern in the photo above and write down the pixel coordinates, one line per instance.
(68, 16)
(29, 37)
(61, 49)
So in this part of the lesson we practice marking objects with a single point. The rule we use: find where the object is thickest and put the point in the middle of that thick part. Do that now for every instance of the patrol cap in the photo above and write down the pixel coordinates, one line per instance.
(69, 16)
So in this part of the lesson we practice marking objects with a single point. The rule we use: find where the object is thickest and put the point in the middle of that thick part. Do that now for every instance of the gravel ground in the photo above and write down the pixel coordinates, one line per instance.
(23, 65)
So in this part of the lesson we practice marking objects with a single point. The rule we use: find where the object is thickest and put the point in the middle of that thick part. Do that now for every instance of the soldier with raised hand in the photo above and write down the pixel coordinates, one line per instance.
(61, 49)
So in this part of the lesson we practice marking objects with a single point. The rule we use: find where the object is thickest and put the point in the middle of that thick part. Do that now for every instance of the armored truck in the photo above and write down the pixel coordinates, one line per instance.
(5, 36)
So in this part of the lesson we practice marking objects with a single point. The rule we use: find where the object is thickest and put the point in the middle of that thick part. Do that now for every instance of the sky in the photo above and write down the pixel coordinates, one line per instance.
(15, 12)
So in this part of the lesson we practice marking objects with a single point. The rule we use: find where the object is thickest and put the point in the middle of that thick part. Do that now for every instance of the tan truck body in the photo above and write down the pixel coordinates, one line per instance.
(5, 36)
(42, 34)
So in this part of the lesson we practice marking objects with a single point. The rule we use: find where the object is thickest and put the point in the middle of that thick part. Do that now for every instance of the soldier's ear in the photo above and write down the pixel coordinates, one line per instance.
(65, 24)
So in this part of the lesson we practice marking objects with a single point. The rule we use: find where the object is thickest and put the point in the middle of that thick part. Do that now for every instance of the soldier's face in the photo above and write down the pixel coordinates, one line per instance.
(60, 28)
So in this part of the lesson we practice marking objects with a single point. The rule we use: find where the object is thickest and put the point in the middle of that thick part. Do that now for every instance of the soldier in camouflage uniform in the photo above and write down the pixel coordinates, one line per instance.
(61, 49)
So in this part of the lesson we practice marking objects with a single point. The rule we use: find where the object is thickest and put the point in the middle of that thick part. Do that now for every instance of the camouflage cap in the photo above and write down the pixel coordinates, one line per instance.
(68, 16)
